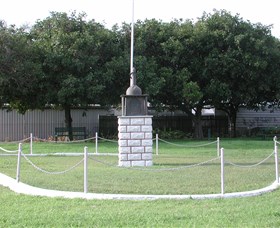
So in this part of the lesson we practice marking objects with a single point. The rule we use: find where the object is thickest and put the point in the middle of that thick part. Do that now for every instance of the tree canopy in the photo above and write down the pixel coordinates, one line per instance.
(239, 60)
(20, 70)
(73, 56)
(220, 61)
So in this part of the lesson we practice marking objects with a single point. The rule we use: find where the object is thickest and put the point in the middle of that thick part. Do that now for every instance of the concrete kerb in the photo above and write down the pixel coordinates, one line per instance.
(22, 188)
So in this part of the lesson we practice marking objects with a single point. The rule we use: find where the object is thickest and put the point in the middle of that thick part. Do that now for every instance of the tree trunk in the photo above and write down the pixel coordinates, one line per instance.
(198, 132)
(229, 125)
(68, 121)
(232, 122)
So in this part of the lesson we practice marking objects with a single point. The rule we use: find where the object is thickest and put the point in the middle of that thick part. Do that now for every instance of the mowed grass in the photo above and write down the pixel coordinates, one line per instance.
(181, 167)
(27, 211)
(172, 173)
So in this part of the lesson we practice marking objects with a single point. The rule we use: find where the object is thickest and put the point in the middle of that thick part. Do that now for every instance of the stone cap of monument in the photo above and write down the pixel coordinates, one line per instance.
(133, 90)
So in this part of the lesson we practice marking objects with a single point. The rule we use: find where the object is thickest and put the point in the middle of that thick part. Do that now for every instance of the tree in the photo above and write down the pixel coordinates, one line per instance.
(161, 54)
(220, 61)
(168, 45)
(73, 54)
(145, 60)
(20, 70)
(240, 60)
(117, 68)
(225, 59)
(161, 73)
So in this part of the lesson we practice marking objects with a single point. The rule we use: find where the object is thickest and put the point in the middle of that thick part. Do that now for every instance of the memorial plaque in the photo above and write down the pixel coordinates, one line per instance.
(135, 105)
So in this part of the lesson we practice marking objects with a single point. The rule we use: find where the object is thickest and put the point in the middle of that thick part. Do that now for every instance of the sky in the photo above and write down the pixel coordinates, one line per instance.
(110, 12)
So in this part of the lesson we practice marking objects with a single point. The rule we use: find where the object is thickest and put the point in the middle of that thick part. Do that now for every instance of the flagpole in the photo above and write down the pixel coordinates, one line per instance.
(132, 43)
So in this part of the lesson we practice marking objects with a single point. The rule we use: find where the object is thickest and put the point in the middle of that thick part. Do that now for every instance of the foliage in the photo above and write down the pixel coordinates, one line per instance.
(224, 60)
(176, 134)
(20, 70)
(221, 61)
(161, 43)
(73, 55)
(237, 57)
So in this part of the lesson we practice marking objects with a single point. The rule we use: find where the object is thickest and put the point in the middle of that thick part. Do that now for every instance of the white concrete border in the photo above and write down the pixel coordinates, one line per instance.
(22, 188)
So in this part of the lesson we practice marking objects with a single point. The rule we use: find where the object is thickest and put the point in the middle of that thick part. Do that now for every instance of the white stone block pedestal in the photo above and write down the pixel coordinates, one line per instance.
(135, 141)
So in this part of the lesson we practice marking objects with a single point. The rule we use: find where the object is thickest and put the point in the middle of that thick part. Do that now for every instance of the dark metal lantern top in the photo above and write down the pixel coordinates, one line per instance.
(134, 103)
(133, 89)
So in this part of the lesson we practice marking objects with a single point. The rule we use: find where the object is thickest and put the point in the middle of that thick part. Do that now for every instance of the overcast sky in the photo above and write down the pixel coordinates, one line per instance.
(112, 12)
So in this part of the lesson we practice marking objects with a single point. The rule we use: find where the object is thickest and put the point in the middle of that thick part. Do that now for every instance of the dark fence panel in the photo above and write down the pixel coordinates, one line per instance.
(213, 126)
(172, 123)
(108, 126)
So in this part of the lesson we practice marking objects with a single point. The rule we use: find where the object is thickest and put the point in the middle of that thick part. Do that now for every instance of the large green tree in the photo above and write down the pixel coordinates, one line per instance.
(73, 55)
(20, 70)
(240, 60)
(160, 66)
(224, 60)
(167, 45)
(219, 61)
(147, 53)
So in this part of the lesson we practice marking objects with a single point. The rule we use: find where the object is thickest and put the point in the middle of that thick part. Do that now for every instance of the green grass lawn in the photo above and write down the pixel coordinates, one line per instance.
(175, 170)
(27, 211)
(171, 174)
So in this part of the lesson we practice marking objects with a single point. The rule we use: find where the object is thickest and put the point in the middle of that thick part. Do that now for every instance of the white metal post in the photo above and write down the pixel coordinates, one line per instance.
(132, 44)
(31, 143)
(156, 144)
(96, 142)
(218, 147)
(276, 160)
(85, 169)
(222, 172)
(18, 162)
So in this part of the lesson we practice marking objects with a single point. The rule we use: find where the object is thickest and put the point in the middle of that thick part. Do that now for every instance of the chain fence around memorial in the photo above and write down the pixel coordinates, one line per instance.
(93, 157)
